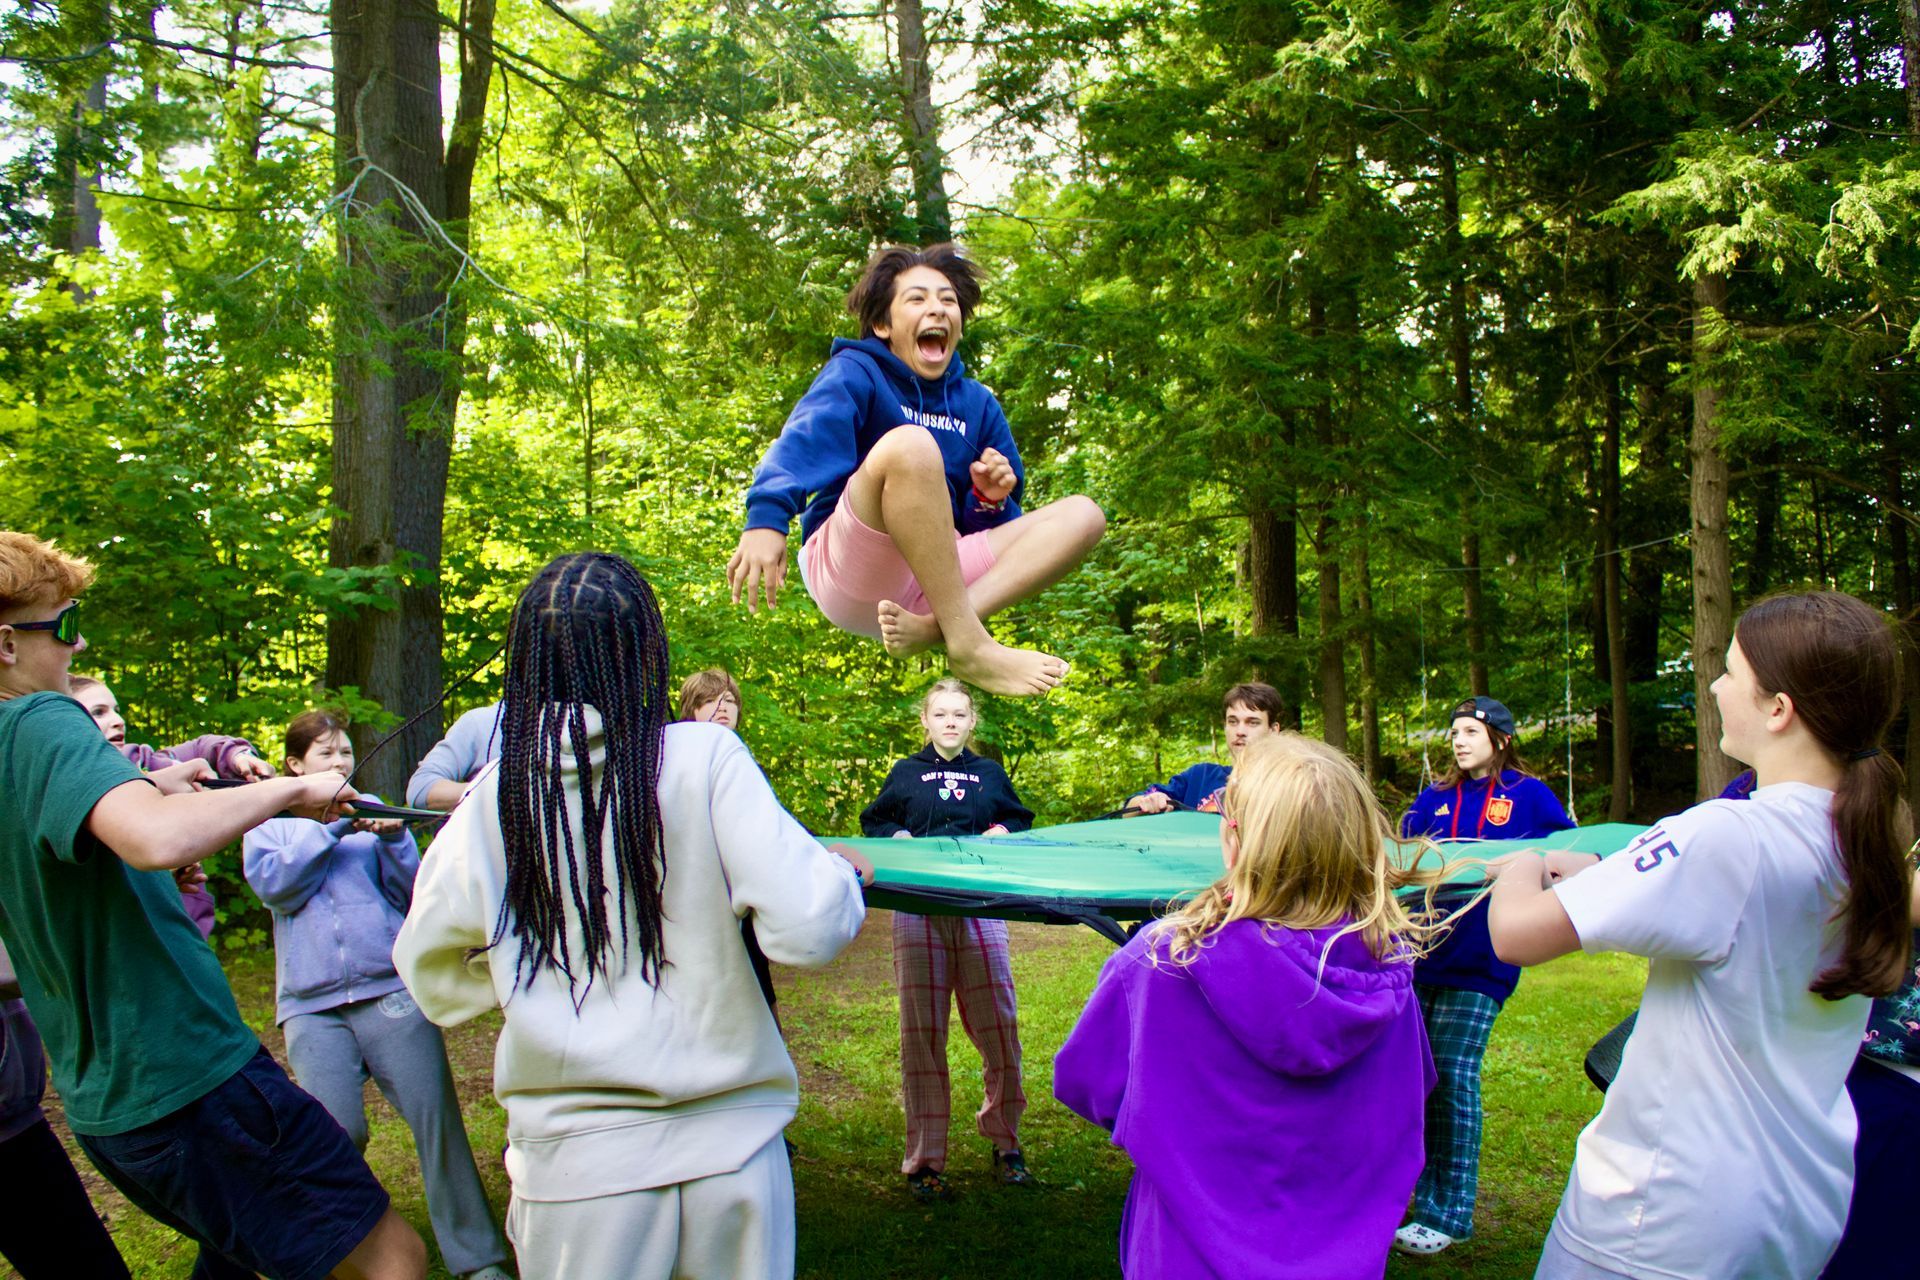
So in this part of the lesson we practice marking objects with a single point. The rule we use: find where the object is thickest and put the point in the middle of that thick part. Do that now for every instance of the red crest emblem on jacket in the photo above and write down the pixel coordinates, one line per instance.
(1500, 810)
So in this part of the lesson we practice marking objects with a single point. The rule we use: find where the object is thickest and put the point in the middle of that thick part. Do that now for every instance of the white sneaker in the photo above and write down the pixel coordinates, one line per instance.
(488, 1273)
(1420, 1240)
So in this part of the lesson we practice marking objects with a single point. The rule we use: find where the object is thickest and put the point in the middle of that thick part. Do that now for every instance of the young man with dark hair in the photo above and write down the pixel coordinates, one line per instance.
(167, 1090)
(1249, 711)
(907, 483)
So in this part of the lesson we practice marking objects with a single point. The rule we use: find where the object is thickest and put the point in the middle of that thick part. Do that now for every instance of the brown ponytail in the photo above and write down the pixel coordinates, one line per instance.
(1835, 658)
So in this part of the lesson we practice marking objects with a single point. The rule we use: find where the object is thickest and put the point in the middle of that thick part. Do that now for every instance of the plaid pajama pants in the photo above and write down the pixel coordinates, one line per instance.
(936, 959)
(1458, 1025)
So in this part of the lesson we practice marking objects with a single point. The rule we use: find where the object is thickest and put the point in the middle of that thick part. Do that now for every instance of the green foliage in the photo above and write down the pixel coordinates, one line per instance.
(1370, 271)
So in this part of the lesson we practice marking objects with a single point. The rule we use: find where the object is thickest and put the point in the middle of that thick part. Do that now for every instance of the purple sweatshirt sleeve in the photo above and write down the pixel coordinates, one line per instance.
(200, 909)
(1090, 1071)
(399, 866)
(818, 446)
(215, 749)
(146, 758)
(286, 859)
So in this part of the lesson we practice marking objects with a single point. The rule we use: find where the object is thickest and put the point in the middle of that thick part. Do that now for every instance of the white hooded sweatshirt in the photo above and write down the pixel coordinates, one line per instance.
(639, 1086)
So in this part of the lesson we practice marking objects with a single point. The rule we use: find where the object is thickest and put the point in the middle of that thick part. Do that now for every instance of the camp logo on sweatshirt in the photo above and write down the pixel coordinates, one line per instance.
(933, 421)
(1500, 810)
(950, 780)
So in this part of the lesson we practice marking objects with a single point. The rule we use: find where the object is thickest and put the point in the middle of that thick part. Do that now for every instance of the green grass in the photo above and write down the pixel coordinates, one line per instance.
(854, 1216)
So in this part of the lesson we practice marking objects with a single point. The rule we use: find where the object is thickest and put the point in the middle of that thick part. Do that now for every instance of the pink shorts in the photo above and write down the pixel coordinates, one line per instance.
(849, 569)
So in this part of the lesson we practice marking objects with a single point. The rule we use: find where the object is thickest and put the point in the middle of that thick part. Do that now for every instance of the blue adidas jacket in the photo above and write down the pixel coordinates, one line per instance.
(864, 392)
(1517, 808)
(1195, 786)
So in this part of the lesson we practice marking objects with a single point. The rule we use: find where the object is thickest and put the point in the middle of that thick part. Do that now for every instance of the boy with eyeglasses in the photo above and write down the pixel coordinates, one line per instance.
(170, 1094)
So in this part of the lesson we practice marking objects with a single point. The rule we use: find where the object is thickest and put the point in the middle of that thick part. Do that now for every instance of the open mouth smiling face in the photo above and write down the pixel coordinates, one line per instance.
(934, 343)
(923, 321)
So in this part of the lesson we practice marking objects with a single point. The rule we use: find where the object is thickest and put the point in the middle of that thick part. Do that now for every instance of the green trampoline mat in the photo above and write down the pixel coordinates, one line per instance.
(1095, 873)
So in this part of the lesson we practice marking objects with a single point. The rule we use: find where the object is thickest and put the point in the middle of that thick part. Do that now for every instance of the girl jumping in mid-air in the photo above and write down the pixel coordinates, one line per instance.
(947, 790)
(1725, 1146)
(1258, 1053)
(338, 892)
(591, 886)
(1487, 795)
(905, 477)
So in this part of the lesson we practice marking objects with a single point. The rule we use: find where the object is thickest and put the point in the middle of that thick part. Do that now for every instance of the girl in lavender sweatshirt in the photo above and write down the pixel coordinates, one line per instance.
(1259, 1053)
(339, 892)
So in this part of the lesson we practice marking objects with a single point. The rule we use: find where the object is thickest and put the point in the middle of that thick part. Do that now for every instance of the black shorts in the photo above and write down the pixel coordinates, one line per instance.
(255, 1171)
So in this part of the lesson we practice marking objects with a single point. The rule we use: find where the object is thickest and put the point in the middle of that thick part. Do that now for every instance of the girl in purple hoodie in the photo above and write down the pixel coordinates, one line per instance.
(1259, 1053)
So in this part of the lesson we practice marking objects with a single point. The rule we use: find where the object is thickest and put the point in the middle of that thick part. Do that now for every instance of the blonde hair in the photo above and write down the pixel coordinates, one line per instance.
(703, 687)
(1316, 849)
(947, 684)
(33, 572)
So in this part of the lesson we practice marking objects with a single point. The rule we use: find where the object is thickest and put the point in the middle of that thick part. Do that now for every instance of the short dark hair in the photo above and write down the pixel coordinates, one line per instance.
(1256, 697)
(871, 298)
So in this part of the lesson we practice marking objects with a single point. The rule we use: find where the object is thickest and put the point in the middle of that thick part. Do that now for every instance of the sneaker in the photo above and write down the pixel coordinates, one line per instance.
(488, 1273)
(1420, 1240)
(1012, 1168)
(927, 1186)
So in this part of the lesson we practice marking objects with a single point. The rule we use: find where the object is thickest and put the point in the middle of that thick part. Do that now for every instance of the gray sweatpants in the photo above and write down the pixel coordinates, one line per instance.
(731, 1226)
(334, 1052)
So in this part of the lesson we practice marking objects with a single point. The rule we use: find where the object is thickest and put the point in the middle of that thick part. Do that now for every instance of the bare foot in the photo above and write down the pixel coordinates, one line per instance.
(905, 632)
(1010, 672)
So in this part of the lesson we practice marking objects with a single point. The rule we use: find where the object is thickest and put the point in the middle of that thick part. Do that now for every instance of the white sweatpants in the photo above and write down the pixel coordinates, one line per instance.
(732, 1226)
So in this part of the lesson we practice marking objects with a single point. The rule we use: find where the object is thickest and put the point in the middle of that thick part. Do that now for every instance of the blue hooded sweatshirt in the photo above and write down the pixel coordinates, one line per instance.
(1197, 786)
(864, 392)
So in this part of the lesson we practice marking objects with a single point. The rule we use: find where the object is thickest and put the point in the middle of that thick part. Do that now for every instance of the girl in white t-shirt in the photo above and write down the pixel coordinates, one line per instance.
(1725, 1146)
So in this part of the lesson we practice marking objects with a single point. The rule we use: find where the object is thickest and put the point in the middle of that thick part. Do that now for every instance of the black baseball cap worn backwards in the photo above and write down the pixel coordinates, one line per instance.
(1487, 711)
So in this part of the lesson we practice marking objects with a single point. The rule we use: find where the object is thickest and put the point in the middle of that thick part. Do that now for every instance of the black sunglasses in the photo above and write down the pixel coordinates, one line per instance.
(65, 628)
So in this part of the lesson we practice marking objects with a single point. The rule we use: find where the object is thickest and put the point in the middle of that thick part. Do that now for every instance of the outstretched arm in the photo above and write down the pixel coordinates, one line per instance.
(1527, 923)
(816, 449)
(154, 832)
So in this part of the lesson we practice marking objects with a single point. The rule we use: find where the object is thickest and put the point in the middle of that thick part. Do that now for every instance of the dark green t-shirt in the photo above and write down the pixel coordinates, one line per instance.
(136, 1013)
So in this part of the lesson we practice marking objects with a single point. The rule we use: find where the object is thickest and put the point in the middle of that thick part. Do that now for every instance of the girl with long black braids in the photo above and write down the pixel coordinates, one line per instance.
(592, 886)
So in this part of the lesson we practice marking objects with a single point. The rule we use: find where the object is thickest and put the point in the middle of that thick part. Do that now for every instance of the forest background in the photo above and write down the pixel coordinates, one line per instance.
(1414, 350)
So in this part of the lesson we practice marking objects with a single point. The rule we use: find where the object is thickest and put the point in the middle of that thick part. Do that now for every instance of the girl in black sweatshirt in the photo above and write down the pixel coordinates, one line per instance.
(947, 790)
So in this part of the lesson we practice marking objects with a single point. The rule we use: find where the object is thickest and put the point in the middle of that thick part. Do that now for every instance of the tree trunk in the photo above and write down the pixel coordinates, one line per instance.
(923, 124)
(394, 390)
(1333, 665)
(74, 222)
(1475, 610)
(1460, 356)
(1273, 585)
(1620, 799)
(84, 234)
(1910, 61)
(1906, 608)
(1369, 689)
(1766, 525)
(1712, 555)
